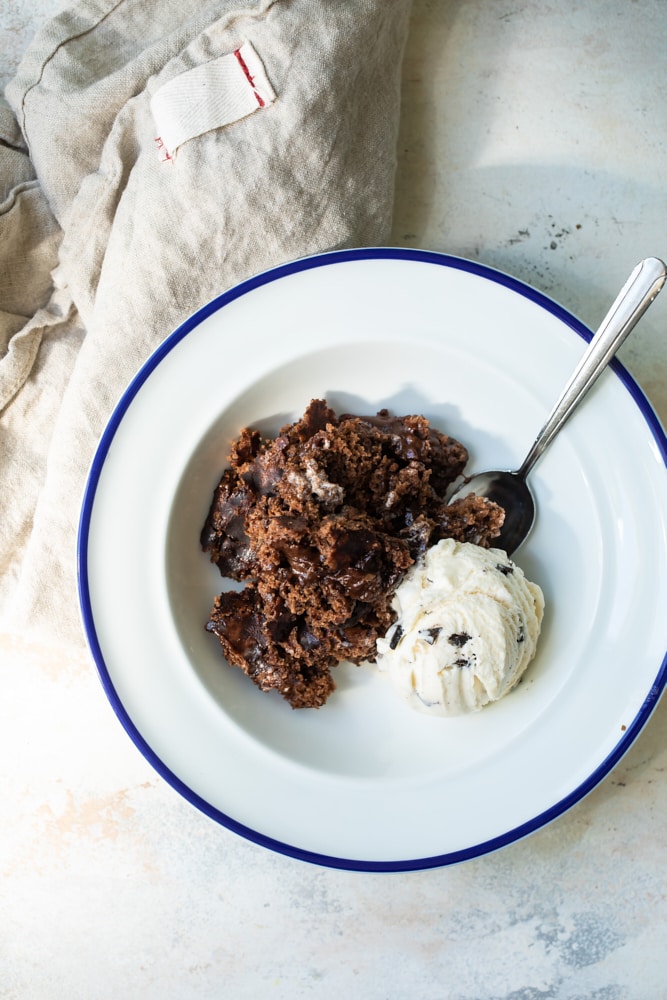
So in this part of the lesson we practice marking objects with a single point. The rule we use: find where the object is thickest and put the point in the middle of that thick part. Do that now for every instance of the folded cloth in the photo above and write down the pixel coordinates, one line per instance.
(153, 153)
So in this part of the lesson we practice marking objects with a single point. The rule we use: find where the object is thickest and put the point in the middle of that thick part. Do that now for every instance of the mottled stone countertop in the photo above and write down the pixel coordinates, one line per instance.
(534, 139)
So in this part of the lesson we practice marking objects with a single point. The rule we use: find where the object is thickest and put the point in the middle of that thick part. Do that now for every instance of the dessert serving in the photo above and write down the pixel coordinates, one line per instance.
(340, 524)
(321, 525)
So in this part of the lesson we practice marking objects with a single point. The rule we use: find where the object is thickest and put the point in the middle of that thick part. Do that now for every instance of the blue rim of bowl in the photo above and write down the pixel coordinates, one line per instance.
(255, 836)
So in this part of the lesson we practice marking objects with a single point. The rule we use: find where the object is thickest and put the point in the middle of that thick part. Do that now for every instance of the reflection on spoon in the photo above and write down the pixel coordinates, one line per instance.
(510, 489)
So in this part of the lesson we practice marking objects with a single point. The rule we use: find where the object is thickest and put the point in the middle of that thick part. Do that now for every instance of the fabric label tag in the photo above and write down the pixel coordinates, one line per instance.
(209, 96)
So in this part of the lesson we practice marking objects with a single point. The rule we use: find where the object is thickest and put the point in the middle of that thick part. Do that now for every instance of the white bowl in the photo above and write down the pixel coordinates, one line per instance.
(365, 783)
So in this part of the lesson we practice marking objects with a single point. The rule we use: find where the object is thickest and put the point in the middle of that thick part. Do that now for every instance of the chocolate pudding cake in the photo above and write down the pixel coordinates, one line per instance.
(321, 524)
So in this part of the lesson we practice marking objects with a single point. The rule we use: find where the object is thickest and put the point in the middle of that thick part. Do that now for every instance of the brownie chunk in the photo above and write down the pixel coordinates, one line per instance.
(321, 524)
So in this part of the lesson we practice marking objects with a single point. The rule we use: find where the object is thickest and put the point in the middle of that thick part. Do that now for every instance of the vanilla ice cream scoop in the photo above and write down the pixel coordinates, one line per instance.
(467, 628)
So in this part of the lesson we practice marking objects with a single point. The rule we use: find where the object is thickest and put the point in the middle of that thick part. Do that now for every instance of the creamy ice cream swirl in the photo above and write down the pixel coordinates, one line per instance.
(467, 627)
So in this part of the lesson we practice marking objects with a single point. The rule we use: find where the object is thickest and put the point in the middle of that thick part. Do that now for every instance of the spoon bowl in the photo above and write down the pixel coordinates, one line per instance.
(510, 490)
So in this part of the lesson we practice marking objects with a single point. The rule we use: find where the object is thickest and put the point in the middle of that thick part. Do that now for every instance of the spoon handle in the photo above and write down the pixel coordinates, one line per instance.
(632, 301)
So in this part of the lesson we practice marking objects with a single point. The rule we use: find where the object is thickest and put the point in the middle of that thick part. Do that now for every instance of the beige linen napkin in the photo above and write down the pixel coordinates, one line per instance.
(111, 234)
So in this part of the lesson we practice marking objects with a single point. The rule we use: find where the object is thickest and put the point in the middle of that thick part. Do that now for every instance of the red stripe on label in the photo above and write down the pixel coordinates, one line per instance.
(242, 63)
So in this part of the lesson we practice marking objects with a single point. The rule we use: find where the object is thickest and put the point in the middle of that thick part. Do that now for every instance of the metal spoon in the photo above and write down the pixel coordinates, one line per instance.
(510, 489)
